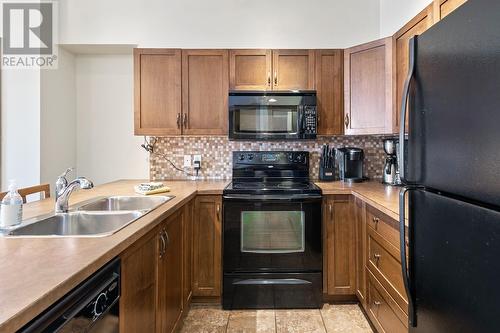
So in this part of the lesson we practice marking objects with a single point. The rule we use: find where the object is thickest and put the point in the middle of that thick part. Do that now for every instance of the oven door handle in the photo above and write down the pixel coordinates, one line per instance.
(287, 198)
(272, 282)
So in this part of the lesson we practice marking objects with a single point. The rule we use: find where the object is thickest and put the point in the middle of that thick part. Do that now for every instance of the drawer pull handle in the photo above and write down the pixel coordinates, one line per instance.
(376, 220)
(377, 303)
(377, 257)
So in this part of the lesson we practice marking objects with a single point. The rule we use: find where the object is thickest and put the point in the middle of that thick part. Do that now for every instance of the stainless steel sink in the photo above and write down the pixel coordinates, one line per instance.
(121, 203)
(96, 218)
(77, 224)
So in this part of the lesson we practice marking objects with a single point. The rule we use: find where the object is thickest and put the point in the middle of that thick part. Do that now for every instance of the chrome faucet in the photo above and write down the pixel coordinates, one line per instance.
(62, 196)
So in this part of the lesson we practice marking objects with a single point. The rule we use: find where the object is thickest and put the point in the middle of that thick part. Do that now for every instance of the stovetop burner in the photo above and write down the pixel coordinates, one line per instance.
(282, 187)
(271, 173)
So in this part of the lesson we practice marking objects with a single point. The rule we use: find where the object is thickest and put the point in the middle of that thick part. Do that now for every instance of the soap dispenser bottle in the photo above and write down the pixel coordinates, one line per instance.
(11, 211)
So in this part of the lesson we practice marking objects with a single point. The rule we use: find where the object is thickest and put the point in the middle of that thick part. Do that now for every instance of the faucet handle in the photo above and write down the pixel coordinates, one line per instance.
(65, 173)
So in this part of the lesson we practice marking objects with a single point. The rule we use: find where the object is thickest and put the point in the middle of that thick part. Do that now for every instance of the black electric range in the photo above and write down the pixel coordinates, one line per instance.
(272, 256)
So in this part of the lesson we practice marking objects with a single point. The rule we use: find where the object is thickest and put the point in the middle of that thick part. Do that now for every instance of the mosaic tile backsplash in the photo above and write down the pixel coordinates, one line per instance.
(216, 154)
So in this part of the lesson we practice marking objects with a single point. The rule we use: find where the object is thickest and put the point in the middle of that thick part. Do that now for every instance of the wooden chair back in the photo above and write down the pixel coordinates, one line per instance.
(24, 192)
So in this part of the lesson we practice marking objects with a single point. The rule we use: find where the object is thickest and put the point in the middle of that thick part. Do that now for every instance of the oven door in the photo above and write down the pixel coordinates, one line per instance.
(272, 234)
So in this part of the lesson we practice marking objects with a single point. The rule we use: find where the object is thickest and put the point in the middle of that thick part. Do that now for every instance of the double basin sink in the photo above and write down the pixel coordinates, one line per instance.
(96, 218)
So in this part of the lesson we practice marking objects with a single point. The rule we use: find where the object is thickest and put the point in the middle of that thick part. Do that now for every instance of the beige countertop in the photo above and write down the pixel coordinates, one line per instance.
(36, 272)
(382, 197)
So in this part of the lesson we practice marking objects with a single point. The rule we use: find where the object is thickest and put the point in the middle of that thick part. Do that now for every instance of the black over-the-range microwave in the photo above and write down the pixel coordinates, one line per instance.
(272, 115)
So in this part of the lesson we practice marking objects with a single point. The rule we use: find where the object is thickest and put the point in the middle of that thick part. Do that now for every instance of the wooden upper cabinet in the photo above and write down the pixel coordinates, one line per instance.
(330, 91)
(271, 69)
(157, 95)
(204, 91)
(418, 25)
(250, 69)
(293, 69)
(368, 88)
(444, 7)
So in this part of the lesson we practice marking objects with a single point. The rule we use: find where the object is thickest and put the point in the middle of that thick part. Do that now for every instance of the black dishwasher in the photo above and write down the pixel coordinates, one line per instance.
(90, 307)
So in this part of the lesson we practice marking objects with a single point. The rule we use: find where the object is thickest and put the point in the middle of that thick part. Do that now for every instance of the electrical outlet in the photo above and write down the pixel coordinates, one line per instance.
(197, 161)
(187, 161)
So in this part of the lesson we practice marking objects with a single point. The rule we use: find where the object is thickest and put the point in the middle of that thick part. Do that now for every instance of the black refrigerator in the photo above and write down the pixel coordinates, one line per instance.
(451, 172)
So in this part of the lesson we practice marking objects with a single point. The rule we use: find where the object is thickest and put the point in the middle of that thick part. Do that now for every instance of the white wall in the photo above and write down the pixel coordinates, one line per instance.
(20, 129)
(220, 23)
(58, 118)
(395, 13)
(107, 149)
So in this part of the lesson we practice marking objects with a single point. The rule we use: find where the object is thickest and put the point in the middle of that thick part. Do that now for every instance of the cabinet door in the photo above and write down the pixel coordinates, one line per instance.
(207, 268)
(170, 290)
(250, 69)
(418, 25)
(188, 253)
(204, 92)
(157, 91)
(138, 286)
(293, 69)
(341, 239)
(368, 88)
(330, 91)
(444, 7)
(359, 214)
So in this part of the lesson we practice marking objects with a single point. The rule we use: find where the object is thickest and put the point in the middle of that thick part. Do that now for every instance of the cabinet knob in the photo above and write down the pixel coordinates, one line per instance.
(178, 120)
(377, 303)
(346, 120)
(376, 256)
(275, 78)
(376, 220)
(218, 212)
(269, 78)
(185, 120)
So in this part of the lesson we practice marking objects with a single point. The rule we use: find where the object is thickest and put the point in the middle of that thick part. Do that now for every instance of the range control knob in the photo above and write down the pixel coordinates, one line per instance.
(250, 157)
(100, 304)
(241, 157)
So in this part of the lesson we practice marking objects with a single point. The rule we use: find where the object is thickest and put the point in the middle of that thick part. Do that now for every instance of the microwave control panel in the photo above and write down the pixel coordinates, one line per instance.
(310, 120)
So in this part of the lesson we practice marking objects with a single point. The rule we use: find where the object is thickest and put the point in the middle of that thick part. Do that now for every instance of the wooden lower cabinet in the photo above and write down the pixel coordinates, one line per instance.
(359, 216)
(385, 300)
(340, 249)
(152, 292)
(169, 279)
(383, 311)
(187, 231)
(138, 285)
(207, 247)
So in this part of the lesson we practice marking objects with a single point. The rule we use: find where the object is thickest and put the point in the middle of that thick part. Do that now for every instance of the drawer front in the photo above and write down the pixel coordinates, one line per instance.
(384, 225)
(384, 263)
(383, 310)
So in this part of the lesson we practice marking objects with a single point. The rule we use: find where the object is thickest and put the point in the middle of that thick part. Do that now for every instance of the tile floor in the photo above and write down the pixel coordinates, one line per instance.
(345, 318)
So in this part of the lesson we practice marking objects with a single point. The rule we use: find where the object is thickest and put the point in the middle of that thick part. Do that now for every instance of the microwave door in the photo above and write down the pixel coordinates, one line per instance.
(265, 121)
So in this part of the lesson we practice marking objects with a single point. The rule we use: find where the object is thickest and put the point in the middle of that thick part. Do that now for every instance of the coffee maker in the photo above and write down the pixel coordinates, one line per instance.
(350, 162)
(391, 168)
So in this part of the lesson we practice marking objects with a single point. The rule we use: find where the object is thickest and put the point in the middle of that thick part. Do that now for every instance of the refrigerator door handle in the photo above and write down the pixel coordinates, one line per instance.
(404, 105)
(412, 320)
